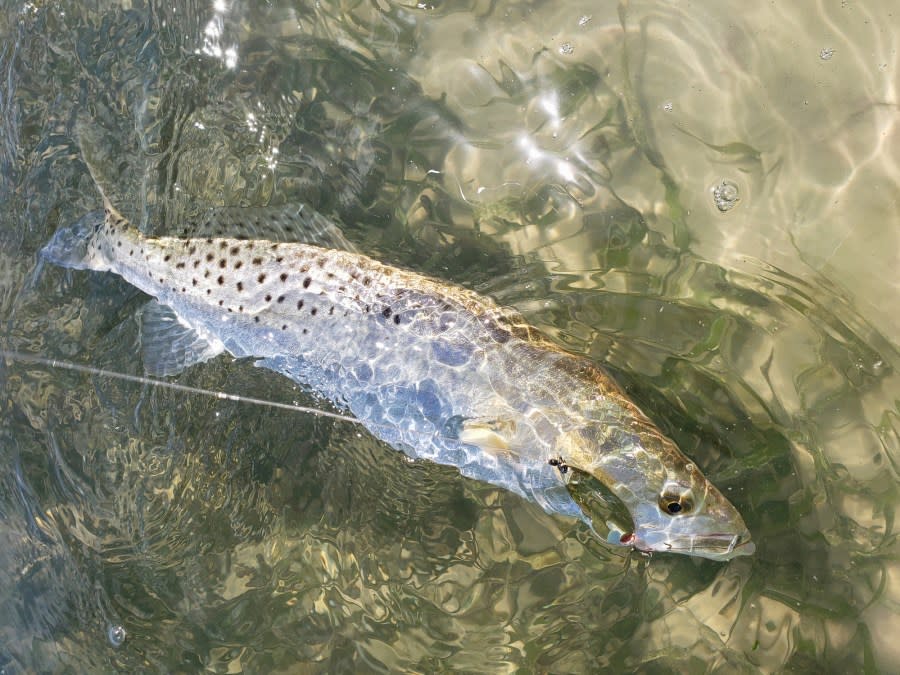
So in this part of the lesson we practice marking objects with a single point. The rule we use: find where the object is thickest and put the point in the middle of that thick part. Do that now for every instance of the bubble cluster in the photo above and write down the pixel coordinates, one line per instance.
(725, 195)
(116, 634)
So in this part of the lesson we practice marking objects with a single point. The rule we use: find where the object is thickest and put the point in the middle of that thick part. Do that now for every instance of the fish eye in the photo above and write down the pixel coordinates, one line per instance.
(674, 502)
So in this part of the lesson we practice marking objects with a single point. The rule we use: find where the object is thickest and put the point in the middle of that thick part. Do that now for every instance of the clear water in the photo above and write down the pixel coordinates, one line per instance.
(702, 198)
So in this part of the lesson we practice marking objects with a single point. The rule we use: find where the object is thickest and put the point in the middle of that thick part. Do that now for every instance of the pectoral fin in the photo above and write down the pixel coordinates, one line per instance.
(170, 346)
(492, 434)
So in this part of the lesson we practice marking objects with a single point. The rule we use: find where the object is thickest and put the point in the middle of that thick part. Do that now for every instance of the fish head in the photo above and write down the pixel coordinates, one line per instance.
(673, 507)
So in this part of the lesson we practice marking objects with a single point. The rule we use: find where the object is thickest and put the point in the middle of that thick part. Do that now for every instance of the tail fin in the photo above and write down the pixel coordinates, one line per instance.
(75, 246)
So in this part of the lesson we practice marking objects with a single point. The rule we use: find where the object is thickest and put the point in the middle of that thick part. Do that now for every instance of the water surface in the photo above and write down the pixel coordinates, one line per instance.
(704, 199)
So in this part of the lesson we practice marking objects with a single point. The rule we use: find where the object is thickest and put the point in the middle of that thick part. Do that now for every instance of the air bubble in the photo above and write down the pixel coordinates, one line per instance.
(566, 48)
(116, 634)
(667, 106)
(826, 53)
(725, 195)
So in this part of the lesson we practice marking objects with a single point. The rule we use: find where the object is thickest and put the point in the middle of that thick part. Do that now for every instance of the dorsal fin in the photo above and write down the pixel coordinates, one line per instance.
(113, 217)
(296, 223)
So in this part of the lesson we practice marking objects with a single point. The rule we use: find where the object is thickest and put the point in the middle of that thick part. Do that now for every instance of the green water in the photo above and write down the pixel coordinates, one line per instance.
(564, 158)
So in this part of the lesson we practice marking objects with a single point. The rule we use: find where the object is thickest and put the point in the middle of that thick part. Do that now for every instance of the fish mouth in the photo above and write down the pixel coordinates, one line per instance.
(715, 546)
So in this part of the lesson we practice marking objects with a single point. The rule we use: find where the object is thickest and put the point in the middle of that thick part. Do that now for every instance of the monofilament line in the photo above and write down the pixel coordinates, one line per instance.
(22, 357)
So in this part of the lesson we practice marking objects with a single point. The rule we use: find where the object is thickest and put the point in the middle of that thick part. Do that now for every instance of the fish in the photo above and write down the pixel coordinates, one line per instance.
(435, 370)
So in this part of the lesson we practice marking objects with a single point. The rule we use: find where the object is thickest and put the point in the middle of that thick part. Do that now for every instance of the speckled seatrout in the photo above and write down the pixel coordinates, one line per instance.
(433, 369)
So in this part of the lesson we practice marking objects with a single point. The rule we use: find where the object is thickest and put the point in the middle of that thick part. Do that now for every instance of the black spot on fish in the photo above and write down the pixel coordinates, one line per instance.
(221, 302)
(367, 308)
(240, 285)
(238, 264)
(220, 280)
(279, 259)
(268, 297)
(320, 262)
(299, 304)
(280, 298)
(397, 319)
(206, 274)
(284, 326)
(222, 263)
(257, 261)
(283, 276)
(166, 257)
(313, 311)
(256, 319)
(183, 289)
(223, 244)
(234, 250)
(131, 252)
(261, 278)
(331, 275)
(196, 264)
(386, 312)
(193, 282)
(306, 282)
(305, 331)
(331, 311)
(208, 291)
(501, 336)
(179, 266)
(240, 308)
(192, 250)
(209, 257)
(367, 281)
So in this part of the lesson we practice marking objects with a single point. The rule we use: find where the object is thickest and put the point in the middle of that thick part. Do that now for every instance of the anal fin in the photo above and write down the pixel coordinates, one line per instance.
(169, 346)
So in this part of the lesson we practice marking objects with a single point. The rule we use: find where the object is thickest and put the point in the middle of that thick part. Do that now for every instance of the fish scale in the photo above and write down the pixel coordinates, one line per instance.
(433, 369)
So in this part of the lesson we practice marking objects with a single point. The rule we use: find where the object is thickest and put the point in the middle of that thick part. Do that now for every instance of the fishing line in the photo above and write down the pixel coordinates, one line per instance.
(23, 357)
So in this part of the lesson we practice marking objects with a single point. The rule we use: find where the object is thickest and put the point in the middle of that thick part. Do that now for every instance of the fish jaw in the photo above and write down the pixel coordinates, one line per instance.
(719, 546)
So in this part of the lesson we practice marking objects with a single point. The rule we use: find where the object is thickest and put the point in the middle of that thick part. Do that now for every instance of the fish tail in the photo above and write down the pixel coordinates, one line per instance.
(77, 246)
